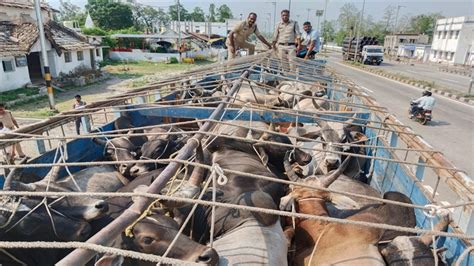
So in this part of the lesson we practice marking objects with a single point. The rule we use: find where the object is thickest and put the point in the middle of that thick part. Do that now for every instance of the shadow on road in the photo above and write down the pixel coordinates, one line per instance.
(438, 123)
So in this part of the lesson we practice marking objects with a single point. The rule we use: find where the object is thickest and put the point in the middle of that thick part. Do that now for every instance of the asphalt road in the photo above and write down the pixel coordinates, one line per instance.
(422, 72)
(452, 128)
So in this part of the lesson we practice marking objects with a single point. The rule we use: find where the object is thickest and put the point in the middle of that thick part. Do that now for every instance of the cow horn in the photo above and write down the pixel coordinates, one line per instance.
(198, 172)
(330, 178)
(288, 169)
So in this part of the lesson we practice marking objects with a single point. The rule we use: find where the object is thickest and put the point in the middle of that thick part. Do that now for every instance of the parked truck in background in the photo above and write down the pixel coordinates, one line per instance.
(365, 50)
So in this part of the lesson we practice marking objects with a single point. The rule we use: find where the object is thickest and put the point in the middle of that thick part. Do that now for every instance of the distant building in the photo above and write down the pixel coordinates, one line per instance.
(394, 41)
(211, 28)
(453, 41)
(20, 50)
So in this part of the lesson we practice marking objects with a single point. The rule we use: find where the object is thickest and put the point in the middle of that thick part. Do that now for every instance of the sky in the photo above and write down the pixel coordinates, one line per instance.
(265, 9)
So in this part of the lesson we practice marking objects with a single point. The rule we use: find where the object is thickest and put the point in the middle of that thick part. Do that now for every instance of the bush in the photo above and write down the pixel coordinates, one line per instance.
(174, 60)
(94, 31)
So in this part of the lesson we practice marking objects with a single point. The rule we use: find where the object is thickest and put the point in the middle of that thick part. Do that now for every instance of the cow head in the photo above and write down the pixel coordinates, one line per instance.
(154, 149)
(414, 250)
(30, 221)
(323, 181)
(119, 149)
(153, 234)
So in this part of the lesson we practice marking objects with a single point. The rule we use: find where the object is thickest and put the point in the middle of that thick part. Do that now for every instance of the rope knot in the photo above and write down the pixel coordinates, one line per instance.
(221, 177)
(431, 210)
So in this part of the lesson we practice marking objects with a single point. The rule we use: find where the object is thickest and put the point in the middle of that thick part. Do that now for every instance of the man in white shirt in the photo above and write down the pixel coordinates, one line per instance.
(425, 102)
(310, 41)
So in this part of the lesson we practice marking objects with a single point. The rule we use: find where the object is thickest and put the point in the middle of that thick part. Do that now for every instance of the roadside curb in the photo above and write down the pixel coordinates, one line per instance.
(421, 86)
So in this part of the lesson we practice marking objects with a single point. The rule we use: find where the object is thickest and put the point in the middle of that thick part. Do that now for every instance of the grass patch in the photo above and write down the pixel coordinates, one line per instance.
(13, 94)
(141, 68)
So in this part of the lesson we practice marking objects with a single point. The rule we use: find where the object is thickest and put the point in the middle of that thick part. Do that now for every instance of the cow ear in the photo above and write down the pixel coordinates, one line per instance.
(343, 202)
(286, 202)
(110, 260)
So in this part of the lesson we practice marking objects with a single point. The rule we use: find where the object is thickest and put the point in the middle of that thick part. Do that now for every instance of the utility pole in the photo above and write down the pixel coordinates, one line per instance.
(179, 30)
(269, 21)
(47, 74)
(308, 9)
(358, 30)
(289, 5)
(274, 13)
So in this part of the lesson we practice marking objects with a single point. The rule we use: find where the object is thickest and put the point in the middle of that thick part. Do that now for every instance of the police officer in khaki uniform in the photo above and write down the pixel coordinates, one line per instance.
(287, 38)
(237, 38)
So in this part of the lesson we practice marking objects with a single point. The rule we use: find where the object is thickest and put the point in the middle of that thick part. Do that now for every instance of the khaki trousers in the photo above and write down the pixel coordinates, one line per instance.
(287, 53)
(238, 45)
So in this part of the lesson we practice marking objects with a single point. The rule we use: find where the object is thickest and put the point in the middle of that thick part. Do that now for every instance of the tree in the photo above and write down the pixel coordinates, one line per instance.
(223, 13)
(110, 15)
(328, 31)
(389, 17)
(148, 18)
(348, 17)
(212, 13)
(198, 15)
(424, 24)
(183, 13)
(68, 11)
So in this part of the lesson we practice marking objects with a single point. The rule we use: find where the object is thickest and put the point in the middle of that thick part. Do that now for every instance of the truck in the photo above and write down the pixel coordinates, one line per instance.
(365, 50)
(397, 159)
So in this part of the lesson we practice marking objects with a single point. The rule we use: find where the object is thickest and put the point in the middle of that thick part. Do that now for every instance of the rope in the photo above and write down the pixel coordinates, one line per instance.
(89, 246)
(247, 208)
(286, 182)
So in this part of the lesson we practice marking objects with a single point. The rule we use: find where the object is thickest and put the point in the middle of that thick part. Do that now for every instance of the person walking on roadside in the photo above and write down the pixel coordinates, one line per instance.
(78, 104)
(9, 122)
(287, 39)
(237, 37)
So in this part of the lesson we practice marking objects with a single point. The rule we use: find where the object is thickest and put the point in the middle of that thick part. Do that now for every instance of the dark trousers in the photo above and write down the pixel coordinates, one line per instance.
(78, 126)
(415, 109)
(303, 53)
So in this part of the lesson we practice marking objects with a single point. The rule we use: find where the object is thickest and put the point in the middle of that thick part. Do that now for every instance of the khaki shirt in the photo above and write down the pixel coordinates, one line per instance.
(7, 120)
(286, 32)
(242, 31)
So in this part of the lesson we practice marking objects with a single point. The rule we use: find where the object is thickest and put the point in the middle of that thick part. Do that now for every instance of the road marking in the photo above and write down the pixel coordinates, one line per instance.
(450, 80)
(364, 88)
(408, 85)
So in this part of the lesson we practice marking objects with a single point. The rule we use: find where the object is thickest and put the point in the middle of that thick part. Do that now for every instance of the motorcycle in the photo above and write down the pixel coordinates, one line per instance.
(422, 117)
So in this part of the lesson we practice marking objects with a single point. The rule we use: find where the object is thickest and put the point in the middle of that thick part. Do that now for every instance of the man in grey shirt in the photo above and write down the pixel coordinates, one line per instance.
(287, 38)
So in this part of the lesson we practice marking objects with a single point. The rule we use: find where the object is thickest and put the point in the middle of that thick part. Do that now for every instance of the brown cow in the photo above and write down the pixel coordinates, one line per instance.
(323, 243)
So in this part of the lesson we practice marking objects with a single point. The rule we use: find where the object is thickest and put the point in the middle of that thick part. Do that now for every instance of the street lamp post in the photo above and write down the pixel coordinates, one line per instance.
(289, 5)
(319, 13)
(269, 21)
(308, 9)
(324, 21)
(358, 30)
(179, 30)
(274, 12)
(47, 74)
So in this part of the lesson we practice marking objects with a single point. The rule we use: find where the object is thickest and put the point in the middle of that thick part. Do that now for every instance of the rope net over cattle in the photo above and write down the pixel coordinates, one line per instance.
(199, 102)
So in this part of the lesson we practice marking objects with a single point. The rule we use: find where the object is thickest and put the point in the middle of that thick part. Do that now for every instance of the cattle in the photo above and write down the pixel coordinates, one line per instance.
(24, 219)
(119, 149)
(319, 242)
(414, 250)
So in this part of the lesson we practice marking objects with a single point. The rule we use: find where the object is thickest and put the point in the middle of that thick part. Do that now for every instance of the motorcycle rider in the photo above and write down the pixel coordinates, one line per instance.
(425, 102)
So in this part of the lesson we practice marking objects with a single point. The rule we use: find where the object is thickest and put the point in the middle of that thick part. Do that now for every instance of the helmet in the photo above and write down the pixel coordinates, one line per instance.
(427, 93)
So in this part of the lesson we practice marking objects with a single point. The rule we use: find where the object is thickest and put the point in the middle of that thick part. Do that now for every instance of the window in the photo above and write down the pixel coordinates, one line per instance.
(80, 56)
(67, 57)
(452, 55)
(444, 34)
(434, 54)
(412, 40)
(97, 52)
(21, 61)
(439, 34)
(8, 66)
(457, 35)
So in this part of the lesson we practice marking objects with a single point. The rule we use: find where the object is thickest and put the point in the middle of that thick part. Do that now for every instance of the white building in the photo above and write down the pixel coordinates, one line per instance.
(392, 42)
(219, 28)
(20, 50)
(453, 41)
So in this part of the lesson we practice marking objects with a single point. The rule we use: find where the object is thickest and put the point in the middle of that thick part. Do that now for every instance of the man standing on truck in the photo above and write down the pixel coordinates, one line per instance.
(310, 41)
(237, 37)
(425, 102)
(287, 38)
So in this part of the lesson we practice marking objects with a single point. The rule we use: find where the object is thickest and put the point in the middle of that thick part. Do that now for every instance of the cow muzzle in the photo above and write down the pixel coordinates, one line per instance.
(209, 257)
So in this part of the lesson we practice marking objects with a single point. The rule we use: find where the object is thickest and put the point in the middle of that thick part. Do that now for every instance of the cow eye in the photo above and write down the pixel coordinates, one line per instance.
(147, 240)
